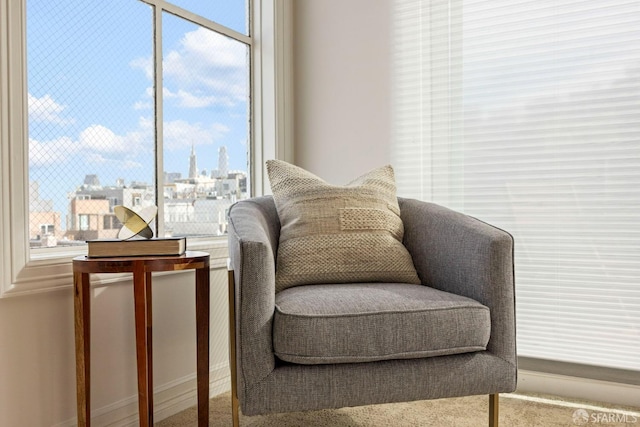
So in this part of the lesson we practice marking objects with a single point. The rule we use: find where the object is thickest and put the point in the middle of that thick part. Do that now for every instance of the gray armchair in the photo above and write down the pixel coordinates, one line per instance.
(316, 347)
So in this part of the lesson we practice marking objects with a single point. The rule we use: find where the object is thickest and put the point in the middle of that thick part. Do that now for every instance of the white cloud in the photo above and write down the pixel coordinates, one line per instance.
(99, 138)
(142, 139)
(202, 51)
(95, 158)
(123, 164)
(180, 134)
(146, 103)
(183, 99)
(189, 100)
(144, 64)
(98, 144)
(214, 49)
(142, 105)
(45, 109)
(44, 153)
(130, 164)
(205, 68)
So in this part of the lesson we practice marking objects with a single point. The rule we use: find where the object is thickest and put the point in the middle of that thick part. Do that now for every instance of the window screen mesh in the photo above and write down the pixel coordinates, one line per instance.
(100, 136)
(90, 147)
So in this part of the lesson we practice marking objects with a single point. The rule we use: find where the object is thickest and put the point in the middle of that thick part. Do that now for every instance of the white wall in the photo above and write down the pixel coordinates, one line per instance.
(342, 86)
(37, 353)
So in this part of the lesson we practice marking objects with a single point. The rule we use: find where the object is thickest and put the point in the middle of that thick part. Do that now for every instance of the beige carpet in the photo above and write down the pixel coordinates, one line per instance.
(515, 411)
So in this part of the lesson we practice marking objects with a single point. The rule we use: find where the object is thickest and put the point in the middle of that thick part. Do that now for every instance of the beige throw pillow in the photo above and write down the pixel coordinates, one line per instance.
(333, 234)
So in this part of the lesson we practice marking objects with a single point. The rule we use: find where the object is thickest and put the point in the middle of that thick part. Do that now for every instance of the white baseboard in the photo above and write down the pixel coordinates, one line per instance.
(168, 399)
(578, 388)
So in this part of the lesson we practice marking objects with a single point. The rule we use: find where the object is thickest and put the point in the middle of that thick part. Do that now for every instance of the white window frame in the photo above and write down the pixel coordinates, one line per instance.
(23, 273)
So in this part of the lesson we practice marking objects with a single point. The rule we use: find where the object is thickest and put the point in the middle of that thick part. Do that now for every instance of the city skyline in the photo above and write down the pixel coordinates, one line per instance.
(91, 99)
(193, 205)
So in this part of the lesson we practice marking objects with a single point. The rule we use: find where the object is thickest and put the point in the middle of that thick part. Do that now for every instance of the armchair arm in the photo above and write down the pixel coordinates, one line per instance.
(456, 253)
(254, 230)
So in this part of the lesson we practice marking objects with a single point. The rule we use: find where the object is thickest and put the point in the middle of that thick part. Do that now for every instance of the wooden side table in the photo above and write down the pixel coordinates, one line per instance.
(141, 267)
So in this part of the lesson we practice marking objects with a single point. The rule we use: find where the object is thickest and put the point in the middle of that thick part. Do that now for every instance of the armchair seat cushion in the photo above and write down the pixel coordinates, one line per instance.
(365, 322)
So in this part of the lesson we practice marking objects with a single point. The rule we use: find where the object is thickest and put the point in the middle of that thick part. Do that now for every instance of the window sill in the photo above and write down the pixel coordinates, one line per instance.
(51, 270)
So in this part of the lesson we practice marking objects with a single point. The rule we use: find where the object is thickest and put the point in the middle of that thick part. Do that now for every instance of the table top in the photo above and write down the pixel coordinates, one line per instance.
(188, 261)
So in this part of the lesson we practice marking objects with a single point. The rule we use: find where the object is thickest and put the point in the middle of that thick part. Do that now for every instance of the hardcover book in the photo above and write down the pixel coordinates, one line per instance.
(136, 247)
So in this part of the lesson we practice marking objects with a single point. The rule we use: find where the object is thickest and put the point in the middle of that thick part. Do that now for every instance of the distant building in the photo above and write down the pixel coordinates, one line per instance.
(45, 226)
(171, 177)
(193, 165)
(137, 194)
(198, 205)
(192, 206)
(91, 219)
(223, 162)
(91, 181)
(91, 207)
(196, 217)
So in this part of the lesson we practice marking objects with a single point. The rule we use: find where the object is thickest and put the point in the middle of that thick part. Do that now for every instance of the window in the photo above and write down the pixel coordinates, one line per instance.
(110, 222)
(102, 127)
(83, 222)
(526, 114)
(47, 229)
(25, 269)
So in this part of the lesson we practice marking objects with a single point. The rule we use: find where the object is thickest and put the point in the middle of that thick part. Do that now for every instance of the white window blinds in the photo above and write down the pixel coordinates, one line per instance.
(526, 114)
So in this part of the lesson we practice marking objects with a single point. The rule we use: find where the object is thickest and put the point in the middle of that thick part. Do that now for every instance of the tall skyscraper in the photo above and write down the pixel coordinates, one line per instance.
(193, 166)
(223, 162)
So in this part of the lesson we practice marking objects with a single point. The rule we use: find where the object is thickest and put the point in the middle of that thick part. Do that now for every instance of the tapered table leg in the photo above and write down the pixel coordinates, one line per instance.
(82, 320)
(147, 284)
(142, 306)
(202, 343)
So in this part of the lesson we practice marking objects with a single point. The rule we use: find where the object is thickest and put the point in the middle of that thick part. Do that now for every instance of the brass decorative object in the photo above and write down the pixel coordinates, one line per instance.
(135, 223)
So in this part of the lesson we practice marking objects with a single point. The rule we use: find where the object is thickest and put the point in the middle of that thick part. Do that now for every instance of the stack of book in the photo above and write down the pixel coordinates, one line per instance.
(105, 248)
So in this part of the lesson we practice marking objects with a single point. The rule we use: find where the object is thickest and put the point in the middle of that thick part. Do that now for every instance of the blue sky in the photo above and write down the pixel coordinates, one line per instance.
(90, 92)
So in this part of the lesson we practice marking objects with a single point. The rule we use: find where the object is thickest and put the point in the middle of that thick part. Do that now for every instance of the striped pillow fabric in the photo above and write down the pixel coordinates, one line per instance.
(338, 234)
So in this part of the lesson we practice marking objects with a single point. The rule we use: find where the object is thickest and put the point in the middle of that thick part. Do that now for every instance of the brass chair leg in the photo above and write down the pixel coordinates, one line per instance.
(235, 418)
(493, 410)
